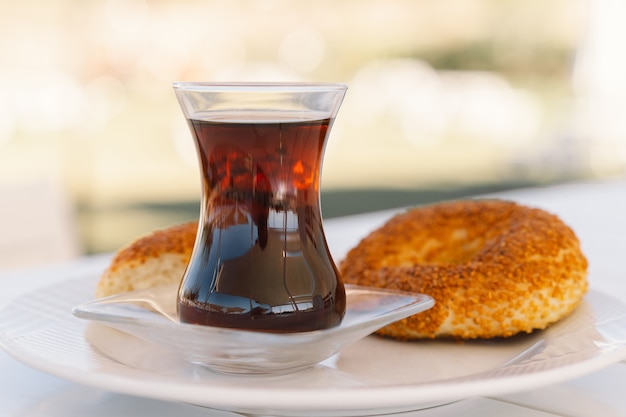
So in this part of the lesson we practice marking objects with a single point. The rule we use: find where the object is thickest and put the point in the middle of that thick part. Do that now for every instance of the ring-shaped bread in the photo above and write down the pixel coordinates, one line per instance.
(495, 268)
(158, 258)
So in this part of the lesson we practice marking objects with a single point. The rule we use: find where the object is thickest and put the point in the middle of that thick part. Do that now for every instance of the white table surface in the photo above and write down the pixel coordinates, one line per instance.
(595, 210)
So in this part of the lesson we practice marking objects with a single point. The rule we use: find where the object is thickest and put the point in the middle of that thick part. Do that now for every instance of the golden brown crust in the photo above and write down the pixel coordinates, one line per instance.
(176, 239)
(494, 268)
(158, 258)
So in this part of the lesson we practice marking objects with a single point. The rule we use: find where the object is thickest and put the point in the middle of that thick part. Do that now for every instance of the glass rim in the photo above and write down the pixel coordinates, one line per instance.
(258, 86)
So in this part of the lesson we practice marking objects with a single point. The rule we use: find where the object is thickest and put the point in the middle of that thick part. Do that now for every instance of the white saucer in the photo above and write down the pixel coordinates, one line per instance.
(371, 376)
(151, 316)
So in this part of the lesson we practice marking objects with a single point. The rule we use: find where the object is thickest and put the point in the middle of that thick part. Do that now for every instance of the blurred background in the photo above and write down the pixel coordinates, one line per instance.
(446, 98)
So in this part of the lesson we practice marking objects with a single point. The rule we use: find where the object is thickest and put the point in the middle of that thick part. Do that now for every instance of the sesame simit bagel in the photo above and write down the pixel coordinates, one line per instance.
(495, 268)
(155, 259)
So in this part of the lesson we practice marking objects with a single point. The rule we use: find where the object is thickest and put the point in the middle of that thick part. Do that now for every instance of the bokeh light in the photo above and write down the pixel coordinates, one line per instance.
(442, 93)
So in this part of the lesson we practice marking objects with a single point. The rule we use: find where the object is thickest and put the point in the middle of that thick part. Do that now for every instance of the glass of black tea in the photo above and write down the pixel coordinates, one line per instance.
(260, 260)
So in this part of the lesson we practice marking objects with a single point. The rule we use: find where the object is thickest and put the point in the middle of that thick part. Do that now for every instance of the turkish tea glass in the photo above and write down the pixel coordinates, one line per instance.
(260, 259)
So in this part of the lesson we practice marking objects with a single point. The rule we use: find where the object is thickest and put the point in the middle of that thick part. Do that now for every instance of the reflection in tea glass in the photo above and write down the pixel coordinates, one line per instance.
(260, 260)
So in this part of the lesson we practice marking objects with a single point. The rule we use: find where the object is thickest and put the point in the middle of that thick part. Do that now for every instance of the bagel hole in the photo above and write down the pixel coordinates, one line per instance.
(455, 249)
(458, 253)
